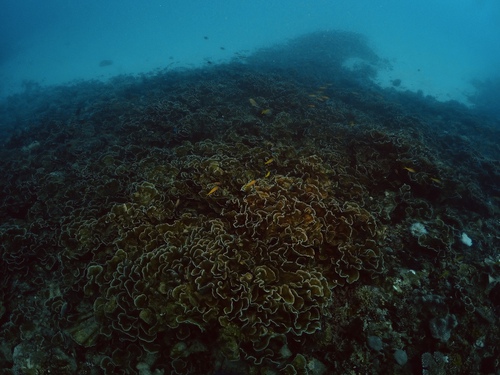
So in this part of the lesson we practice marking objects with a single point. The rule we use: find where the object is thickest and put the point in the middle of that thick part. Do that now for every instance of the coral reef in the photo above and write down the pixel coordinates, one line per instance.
(246, 219)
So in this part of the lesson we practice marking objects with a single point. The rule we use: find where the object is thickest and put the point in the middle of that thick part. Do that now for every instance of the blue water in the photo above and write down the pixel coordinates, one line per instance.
(436, 46)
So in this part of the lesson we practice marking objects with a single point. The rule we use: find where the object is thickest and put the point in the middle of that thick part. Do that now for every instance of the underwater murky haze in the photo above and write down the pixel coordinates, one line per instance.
(433, 46)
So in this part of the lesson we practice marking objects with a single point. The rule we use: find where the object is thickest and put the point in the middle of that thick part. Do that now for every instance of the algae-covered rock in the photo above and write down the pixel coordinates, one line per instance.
(85, 330)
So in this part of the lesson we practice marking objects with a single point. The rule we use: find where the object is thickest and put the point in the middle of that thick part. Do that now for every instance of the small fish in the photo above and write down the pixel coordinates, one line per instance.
(248, 184)
(266, 112)
(268, 174)
(213, 190)
(253, 102)
(311, 106)
(411, 170)
(436, 180)
(312, 95)
(269, 161)
(105, 63)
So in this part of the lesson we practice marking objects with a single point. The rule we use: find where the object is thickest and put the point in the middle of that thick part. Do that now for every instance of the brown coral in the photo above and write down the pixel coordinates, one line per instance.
(264, 264)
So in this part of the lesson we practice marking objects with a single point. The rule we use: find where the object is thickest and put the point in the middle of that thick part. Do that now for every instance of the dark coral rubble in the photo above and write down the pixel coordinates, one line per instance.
(280, 214)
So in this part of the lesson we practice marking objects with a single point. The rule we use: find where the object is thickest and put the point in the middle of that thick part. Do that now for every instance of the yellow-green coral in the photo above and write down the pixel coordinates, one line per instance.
(262, 260)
